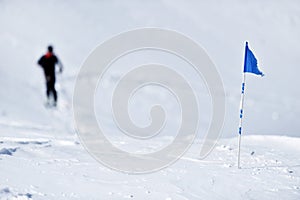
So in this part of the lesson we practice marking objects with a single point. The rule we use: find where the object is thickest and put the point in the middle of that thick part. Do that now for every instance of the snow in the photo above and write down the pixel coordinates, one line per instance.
(41, 156)
(59, 169)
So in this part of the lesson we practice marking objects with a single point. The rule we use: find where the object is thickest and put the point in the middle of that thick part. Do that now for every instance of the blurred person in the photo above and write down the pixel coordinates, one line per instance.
(48, 63)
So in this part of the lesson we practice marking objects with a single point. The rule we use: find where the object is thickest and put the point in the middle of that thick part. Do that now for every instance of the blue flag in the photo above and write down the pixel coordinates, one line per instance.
(250, 64)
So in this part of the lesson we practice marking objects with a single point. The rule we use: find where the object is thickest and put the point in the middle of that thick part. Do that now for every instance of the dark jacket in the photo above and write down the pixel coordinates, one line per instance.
(48, 62)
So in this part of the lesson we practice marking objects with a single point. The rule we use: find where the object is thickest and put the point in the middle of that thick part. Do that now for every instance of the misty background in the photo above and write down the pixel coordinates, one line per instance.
(75, 28)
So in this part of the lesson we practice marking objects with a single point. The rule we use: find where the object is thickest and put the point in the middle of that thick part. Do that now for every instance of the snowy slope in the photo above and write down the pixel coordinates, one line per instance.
(51, 168)
(40, 154)
(221, 27)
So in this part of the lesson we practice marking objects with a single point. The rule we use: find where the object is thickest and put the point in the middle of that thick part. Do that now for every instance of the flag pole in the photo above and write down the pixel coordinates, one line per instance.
(250, 65)
(241, 118)
(242, 107)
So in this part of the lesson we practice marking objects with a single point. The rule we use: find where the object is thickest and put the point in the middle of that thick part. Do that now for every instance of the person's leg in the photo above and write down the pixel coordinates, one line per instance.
(48, 87)
(54, 93)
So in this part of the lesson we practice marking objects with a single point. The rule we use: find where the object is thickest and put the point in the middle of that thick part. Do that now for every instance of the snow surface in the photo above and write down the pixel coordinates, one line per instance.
(41, 156)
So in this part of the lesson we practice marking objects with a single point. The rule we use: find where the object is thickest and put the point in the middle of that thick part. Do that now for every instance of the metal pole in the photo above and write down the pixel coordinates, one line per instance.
(241, 118)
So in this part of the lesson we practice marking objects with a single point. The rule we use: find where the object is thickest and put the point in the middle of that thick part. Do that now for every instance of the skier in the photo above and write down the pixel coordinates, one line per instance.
(48, 62)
